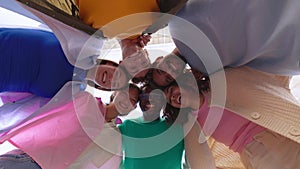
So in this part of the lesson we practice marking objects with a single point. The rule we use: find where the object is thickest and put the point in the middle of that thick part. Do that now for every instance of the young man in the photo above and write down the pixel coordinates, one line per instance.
(148, 142)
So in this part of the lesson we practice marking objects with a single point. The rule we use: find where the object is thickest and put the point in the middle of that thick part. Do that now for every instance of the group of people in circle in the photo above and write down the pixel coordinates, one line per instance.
(258, 119)
(107, 75)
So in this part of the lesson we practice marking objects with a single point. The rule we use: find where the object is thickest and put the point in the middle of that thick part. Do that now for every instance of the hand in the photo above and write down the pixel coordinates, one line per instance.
(143, 40)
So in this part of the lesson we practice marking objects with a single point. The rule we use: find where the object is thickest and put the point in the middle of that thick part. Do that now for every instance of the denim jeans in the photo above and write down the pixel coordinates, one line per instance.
(17, 159)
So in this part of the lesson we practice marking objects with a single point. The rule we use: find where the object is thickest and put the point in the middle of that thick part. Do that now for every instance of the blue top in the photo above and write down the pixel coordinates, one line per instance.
(32, 61)
(264, 35)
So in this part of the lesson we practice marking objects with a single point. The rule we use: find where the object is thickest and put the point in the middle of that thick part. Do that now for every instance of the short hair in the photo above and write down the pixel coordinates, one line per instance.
(134, 86)
(131, 86)
(176, 115)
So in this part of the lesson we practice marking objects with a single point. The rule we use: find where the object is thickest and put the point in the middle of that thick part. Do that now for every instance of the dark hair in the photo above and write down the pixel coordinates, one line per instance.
(131, 85)
(171, 113)
(134, 86)
(112, 97)
(148, 79)
(104, 62)
(166, 5)
(202, 80)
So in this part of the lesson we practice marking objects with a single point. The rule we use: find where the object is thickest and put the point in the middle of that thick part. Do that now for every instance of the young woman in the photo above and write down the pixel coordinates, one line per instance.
(128, 24)
(33, 61)
(73, 134)
(164, 70)
(258, 127)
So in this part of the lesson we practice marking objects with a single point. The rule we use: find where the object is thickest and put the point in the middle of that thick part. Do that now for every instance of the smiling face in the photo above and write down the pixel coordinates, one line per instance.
(167, 69)
(125, 101)
(179, 97)
(151, 103)
(110, 77)
(137, 63)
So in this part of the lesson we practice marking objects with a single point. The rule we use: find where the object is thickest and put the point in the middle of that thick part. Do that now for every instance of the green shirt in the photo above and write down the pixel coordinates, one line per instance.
(151, 145)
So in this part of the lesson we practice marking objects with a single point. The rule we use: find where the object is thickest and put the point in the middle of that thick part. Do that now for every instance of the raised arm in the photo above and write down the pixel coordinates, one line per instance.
(198, 153)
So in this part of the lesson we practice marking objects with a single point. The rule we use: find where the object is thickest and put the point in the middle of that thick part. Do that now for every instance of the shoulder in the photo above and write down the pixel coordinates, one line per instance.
(129, 123)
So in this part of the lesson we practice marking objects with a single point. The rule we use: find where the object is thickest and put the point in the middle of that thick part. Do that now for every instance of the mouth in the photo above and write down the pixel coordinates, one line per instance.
(104, 77)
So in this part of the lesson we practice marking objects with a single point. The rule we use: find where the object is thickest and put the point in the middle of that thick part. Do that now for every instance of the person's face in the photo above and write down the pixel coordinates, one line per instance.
(151, 103)
(137, 63)
(168, 68)
(178, 97)
(110, 77)
(126, 101)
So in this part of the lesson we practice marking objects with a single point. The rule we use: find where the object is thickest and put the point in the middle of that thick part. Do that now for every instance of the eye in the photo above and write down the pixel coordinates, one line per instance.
(169, 65)
(133, 102)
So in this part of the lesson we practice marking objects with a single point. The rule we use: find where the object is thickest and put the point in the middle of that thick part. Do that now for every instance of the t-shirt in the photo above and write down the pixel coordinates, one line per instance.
(99, 13)
(263, 35)
(150, 145)
(32, 61)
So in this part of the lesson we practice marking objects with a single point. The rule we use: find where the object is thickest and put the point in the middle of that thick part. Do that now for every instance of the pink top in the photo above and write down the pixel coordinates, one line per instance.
(56, 138)
(227, 127)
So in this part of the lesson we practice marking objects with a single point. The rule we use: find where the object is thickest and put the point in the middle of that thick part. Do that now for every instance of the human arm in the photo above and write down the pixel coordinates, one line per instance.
(130, 46)
(198, 153)
(267, 48)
